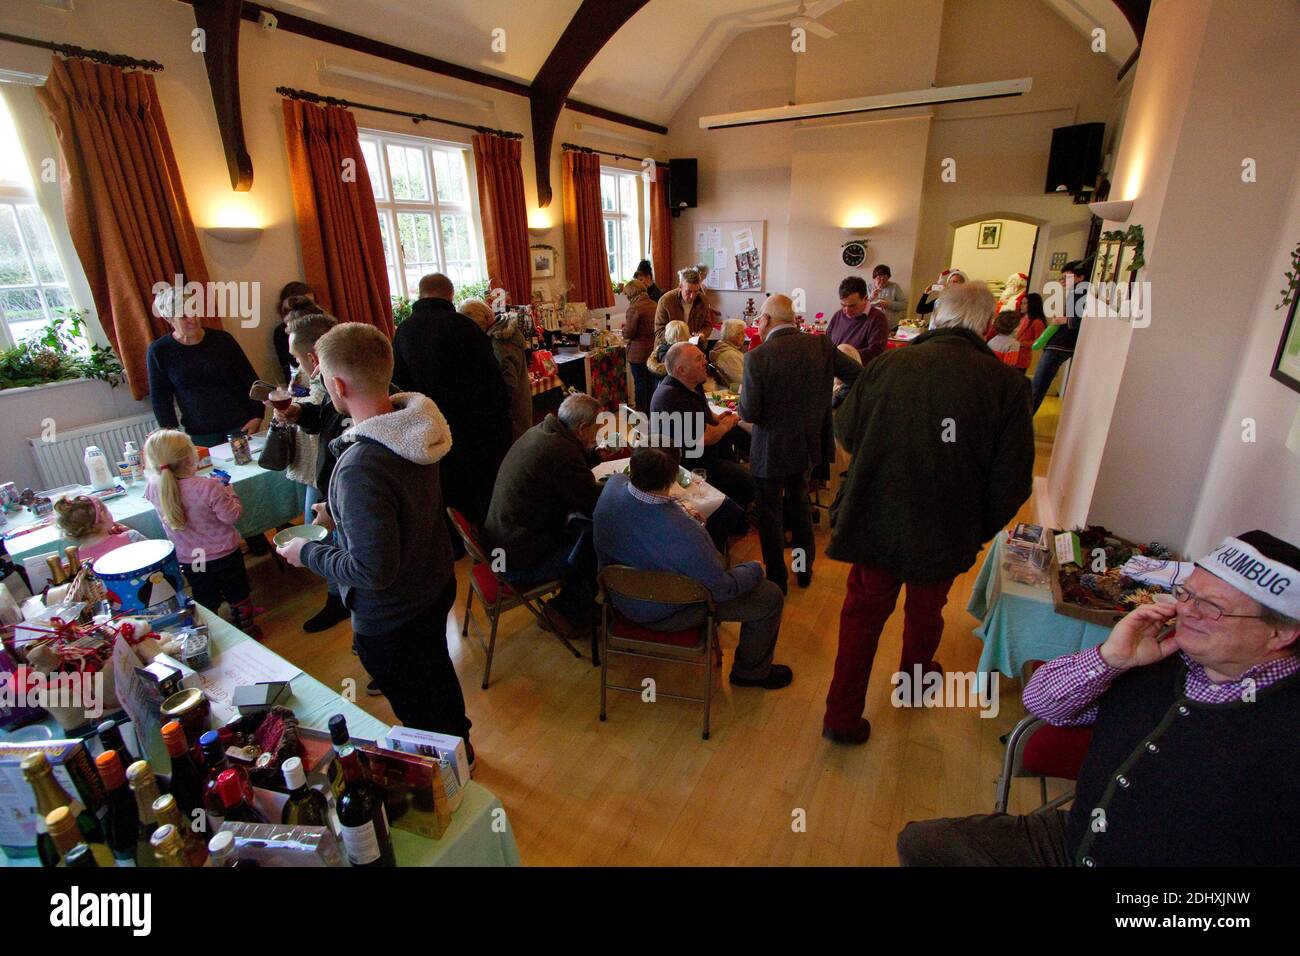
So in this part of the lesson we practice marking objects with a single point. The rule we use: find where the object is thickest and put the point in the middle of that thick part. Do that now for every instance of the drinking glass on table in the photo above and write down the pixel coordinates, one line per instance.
(698, 477)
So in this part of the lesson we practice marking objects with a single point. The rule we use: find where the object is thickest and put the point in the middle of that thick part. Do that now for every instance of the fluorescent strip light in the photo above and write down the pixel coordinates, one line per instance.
(333, 71)
(867, 104)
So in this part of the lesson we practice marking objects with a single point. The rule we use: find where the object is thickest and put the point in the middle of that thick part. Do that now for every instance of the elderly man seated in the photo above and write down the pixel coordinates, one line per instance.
(1193, 759)
(639, 524)
(545, 478)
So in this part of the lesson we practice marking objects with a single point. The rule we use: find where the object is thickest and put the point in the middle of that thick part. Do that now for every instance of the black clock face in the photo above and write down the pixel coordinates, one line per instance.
(854, 254)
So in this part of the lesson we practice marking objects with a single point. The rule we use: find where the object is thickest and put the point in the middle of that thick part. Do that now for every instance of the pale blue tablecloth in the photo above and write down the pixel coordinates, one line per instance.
(1020, 623)
(270, 499)
(472, 839)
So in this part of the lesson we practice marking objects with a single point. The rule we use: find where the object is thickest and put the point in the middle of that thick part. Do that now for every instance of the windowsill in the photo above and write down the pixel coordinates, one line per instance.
(25, 389)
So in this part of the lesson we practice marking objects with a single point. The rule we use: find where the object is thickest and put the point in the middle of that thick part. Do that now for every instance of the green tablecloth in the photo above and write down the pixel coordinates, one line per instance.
(269, 498)
(1020, 623)
(471, 840)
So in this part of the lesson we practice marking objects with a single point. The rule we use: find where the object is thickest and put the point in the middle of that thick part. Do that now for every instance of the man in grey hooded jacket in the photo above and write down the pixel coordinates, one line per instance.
(391, 556)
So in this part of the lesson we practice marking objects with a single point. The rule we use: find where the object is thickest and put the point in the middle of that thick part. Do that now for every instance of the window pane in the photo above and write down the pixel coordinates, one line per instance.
(630, 247)
(22, 307)
(611, 245)
(394, 286)
(449, 171)
(40, 244)
(13, 264)
(608, 193)
(410, 180)
(58, 299)
(455, 237)
(13, 165)
(627, 194)
(419, 254)
(371, 156)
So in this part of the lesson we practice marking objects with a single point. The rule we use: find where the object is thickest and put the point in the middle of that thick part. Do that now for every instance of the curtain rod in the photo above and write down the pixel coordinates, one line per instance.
(98, 56)
(601, 152)
(415, 117)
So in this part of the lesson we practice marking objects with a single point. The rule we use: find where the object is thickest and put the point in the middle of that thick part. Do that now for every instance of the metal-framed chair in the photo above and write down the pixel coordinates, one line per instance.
(1038, 750)
(498, 595)
(624, 638)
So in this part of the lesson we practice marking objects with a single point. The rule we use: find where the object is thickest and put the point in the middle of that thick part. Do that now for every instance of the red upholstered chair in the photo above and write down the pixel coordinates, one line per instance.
(497, 594)
(624, 638)
(1036, 749)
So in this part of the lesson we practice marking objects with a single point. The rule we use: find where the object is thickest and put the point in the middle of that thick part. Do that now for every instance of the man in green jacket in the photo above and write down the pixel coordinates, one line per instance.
(943, 451)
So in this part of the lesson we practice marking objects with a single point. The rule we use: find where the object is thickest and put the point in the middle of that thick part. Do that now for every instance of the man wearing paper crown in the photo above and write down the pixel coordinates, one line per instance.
(1194, 708)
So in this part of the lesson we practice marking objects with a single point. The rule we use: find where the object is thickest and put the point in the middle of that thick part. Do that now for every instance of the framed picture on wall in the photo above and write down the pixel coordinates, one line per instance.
(1286, 364)
(990, 235)
(543, 258)
(1106, 264)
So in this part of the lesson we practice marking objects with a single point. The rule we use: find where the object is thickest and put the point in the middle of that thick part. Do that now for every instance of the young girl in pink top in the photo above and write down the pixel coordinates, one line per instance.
(199, 516)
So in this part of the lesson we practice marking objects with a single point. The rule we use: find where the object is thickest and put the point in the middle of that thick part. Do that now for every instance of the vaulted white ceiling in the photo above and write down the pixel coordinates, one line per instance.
(650, 65)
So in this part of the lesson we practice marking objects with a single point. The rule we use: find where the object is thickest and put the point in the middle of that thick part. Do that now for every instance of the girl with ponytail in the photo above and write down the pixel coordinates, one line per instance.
(199, 516)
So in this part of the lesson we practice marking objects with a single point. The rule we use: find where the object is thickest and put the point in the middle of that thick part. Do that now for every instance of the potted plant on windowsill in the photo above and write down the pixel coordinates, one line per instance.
(58, 353)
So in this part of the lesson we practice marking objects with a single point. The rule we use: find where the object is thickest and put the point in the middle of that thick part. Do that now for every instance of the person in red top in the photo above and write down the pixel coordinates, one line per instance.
(1032, 325)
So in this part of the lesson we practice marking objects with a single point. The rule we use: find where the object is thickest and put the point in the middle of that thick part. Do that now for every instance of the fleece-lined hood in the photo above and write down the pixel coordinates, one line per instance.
(415, 430)
(506, 329)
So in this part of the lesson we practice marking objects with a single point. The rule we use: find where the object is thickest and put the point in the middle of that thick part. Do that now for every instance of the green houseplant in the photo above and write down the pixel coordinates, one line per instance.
(58, 353)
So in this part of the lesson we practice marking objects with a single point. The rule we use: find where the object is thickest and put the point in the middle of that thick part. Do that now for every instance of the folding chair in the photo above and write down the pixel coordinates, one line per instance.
(1036, 749)
(498, 595)
(618, 635)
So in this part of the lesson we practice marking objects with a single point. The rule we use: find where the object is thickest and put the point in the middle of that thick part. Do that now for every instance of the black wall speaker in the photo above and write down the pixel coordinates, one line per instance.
(1075, 158)
(682, 183)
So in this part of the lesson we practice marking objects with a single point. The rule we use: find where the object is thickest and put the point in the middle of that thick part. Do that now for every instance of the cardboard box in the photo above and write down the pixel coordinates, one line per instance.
(73, 768)
(415, 794)
(431, 744)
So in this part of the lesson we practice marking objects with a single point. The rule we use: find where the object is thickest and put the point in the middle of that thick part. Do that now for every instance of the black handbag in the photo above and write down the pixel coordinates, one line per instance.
(277, 453)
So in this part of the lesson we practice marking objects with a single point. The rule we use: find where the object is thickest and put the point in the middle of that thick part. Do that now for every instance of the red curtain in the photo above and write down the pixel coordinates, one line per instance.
(661, 231)
(586, 265)
(505, 218)
(338, 224)
(124, 201)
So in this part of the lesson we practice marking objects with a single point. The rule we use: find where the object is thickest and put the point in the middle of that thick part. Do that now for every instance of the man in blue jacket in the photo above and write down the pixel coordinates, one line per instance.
(639, 524)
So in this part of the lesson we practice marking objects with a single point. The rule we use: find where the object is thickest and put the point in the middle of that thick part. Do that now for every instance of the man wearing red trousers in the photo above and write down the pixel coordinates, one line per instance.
(943, 451)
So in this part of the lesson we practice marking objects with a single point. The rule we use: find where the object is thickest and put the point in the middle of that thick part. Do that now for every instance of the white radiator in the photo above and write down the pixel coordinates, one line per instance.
(62, 461)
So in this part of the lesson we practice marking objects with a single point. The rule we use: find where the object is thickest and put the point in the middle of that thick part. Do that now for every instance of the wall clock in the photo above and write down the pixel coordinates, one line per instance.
(854, 253)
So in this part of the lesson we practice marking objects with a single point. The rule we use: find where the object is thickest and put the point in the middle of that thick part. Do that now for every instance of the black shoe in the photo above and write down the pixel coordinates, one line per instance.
(326, 617)
(257, 545)
(373, 689)
(803, 578)
(779, 676)
(857, 736)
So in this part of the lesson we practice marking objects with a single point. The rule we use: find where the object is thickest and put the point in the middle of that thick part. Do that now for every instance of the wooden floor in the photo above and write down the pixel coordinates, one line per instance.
(644, 789)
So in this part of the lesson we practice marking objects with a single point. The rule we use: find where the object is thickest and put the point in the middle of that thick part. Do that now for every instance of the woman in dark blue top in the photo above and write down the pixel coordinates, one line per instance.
(206, 374)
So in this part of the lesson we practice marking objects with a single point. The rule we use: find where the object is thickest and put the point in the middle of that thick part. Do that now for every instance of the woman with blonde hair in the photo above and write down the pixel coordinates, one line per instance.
(674, 332)
(198, 516)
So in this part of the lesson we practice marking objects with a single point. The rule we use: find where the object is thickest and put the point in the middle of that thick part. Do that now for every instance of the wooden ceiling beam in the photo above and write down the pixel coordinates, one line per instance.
(219, 21)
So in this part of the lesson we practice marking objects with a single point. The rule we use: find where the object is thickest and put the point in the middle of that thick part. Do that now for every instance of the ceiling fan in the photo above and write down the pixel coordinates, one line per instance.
(806, 18)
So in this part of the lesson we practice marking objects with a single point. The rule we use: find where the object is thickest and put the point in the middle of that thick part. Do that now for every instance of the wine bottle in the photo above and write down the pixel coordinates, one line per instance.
(236, 808)
(166, 811)
(144, 787)
(110, 737)
(166, 846)
(122, 820)
(214, 754)
(338, 726)
(305, 806)
(366, 837)
(221, 851)
(63, 831)
(186, 781)
(50, 795)
(81, 856)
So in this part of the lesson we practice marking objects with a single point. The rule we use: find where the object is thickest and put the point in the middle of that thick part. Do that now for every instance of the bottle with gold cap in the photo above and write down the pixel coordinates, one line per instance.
(122, 819)
(167, 846)
(187, 779)
(50, 795)
(144, 787)
(167, 813)
(62, 829)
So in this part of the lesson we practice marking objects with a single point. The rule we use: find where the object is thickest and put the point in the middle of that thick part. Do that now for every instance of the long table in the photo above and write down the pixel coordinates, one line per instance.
(479, 834)
(270, 499)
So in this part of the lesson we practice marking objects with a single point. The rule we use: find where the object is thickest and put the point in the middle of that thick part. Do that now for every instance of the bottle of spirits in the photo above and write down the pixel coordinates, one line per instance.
(62, 829)
(167, 847)
(235, 808)
(214, 754)
(122, 821)
(144, 787)
(186, 781)
(366, 837)
(305, 806)
(166, 811)
(110, 736)
(50, 796)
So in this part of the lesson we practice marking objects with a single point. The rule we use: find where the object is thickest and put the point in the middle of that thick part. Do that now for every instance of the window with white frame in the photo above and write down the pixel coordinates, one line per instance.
(33, 284)
(428, 212)
(623, 203)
